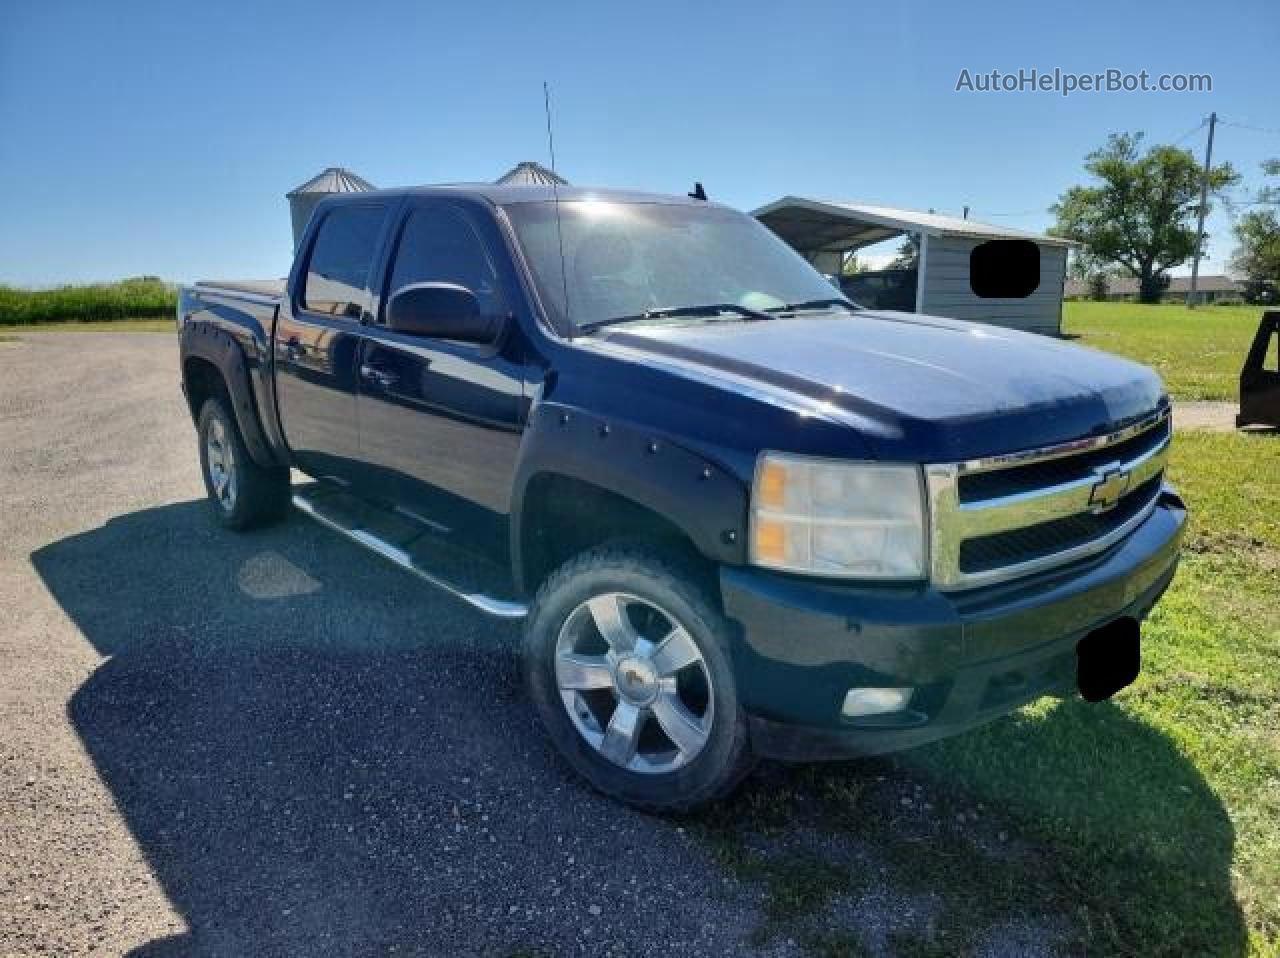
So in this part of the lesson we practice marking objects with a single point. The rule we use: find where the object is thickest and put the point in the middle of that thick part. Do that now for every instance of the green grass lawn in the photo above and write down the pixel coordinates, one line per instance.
(1168, 800)
(1150, 824)
(1198, 352)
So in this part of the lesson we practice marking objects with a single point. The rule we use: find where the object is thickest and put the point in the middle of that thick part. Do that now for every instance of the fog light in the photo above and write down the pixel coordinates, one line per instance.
(858, 702)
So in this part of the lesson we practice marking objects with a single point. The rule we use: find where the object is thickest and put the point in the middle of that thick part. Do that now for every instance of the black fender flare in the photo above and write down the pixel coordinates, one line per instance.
(218, 347)
(705, 501)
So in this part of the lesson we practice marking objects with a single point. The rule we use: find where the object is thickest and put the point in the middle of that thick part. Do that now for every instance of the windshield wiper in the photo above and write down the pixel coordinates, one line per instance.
(814, 304)
(668, 312)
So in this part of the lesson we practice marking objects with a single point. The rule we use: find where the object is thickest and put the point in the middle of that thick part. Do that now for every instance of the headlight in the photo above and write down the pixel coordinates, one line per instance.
(833, 518)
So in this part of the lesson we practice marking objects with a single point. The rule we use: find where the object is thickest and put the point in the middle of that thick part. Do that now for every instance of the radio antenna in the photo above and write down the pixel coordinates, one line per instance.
(555, 194)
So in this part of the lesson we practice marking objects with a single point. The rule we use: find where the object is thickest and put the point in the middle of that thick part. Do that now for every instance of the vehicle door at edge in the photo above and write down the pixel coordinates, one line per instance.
(317, 341)
(440, 420)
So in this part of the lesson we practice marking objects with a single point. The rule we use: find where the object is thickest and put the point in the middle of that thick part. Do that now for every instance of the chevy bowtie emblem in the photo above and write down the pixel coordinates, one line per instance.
(1112, 483)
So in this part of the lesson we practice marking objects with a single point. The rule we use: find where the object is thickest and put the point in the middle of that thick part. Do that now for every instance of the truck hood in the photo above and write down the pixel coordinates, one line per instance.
(917, 388)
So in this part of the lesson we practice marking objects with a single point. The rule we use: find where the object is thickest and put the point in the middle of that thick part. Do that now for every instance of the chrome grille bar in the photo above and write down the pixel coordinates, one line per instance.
(1073, 448)
(989, 516)
(954, 522)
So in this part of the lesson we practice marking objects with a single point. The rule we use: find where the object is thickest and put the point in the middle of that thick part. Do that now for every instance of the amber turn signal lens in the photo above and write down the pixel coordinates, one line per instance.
(771, 485)
(771, 540)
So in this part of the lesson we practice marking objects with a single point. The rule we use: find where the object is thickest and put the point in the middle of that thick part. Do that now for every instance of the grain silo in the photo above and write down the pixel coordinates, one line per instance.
(303, 199)
(529, 173)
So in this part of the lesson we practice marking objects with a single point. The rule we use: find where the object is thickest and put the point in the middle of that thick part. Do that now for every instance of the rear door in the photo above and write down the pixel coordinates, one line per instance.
(318, 337)
(440, 421)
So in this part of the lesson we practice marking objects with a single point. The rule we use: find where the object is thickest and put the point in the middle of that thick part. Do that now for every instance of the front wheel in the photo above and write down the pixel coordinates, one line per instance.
(626, 661)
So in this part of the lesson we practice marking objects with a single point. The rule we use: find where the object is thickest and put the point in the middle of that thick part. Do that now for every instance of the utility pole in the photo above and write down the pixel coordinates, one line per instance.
(1204, 205)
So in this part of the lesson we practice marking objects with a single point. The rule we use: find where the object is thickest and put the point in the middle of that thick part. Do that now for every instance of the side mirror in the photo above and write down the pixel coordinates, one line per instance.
(440, 310)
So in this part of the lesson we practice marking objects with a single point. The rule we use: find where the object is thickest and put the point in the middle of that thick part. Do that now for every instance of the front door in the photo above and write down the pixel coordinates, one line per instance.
(317, 342)
(440, 421)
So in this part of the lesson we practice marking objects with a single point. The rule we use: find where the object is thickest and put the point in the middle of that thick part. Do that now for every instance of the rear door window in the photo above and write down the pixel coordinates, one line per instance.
(338, 271)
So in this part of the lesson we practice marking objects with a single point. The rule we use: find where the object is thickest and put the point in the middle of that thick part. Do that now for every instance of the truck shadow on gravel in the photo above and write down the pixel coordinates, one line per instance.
(317, 754)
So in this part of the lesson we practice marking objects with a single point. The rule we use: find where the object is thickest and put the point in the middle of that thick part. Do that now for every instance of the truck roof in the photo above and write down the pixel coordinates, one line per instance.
(504, 195)
(496, 193)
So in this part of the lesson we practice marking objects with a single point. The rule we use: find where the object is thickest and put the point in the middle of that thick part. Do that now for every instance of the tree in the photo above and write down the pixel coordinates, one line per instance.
(908, 255)
(1093, 272)
(1258, 233)
(850, 265)
(1141, 214)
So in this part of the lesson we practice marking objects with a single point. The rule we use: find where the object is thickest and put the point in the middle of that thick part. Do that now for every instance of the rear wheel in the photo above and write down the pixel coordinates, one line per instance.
(626, 661)
(242, 493)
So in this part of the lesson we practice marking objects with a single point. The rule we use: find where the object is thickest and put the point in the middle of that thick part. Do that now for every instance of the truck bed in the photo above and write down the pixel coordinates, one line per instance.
(273, 288)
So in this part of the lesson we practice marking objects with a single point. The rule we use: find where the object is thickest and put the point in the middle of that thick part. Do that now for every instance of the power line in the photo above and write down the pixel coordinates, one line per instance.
(1232, 204)
(1185, 136)
(1195, 129)
(1045, 209)
(1249, 126)
(1038, 209)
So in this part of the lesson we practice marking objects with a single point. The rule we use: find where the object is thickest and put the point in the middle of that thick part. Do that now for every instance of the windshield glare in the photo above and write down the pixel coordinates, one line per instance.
(624, 259)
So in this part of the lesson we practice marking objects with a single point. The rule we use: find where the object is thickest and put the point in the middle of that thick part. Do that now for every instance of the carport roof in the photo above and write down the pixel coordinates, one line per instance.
(812, 225)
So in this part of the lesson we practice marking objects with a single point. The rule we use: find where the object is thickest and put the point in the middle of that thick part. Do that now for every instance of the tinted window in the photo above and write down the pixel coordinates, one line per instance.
(621, 259)
(1004, 269)
(338, 272)
(439, 245)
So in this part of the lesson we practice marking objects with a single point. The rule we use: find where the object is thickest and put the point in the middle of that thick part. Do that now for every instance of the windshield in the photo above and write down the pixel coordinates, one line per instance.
(632, 259)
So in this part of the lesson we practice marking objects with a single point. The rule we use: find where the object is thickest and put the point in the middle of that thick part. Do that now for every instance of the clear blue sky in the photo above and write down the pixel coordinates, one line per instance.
(160, 137)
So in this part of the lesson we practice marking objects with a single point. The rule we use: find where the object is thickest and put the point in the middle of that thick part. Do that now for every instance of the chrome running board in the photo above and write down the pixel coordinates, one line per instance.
(403, 556)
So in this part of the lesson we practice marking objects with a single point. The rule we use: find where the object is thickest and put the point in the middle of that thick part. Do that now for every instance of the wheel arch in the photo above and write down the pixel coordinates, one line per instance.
(213, 364)
(584, 480)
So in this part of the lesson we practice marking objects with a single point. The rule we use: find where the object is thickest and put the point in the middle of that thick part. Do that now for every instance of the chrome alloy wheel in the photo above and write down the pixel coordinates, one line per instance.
(221, 459)
(634, 683)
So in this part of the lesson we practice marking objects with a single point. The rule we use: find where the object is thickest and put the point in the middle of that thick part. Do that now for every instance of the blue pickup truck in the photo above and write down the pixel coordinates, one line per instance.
(740, 515)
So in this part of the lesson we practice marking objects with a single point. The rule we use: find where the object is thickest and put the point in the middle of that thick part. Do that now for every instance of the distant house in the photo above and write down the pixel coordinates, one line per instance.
(1209, 289)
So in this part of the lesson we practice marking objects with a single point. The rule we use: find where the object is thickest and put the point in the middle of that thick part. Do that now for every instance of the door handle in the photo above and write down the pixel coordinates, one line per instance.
(380, 377)
(292, 350)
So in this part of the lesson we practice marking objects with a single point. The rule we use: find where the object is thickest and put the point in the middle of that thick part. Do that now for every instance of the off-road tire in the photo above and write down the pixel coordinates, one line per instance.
(259, 496)
(725, 758)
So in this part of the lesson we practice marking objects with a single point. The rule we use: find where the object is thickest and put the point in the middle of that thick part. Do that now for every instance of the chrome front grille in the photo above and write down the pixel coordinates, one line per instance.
(1006, 516)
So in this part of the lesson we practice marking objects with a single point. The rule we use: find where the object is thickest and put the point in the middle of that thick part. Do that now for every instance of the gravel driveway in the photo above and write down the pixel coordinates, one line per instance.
(214, 744)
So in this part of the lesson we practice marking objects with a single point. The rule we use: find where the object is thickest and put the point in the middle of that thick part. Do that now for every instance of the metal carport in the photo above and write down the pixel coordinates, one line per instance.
(824, 231)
